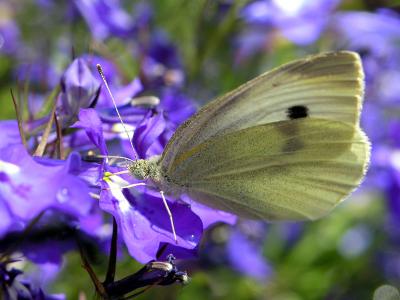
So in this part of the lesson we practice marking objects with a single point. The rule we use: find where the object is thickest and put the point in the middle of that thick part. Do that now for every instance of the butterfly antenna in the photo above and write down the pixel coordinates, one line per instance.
(100, 70)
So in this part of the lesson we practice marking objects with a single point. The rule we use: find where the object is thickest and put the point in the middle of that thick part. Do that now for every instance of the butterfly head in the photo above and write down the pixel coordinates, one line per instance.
(143, 169)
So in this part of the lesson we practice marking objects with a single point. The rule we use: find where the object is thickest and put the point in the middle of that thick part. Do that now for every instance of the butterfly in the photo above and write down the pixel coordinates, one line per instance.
(286, 145)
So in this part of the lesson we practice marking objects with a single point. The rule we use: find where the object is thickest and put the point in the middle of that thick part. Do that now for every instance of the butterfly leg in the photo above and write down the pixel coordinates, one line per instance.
(169, 215)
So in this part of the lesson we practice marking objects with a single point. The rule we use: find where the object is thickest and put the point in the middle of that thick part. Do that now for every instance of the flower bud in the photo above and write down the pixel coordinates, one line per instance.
(80, 89)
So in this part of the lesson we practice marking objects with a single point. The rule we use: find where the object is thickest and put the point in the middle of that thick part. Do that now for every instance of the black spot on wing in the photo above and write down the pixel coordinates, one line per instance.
(297, 112)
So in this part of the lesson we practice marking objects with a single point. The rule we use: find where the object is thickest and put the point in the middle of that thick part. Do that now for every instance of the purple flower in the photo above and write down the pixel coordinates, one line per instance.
(144, 223)
(141, 216)
(28, 188)
(9, 133)
(41, 75)
(161, 65)
(301, 22)
(146, 135)
(9, 36)
(251, 41)
(23, 183)
(123, 93)
(162, 51)
(13, 287)
(142, 219)
(44, 274)
(375, 34)
(143, 14)
(6, 218)
(177, 106)
(106, 18)
(91, 123)
(53, 235)
(209, 216)
(153, 128)
(239, 247)
(393, 190)
(248, 237)
(379, 45)
(80, 89)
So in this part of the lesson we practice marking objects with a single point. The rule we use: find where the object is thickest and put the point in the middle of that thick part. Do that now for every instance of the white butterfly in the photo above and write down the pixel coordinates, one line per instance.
(286, 145)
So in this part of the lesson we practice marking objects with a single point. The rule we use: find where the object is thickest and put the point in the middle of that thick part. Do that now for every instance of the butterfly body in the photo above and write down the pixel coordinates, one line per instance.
(287, 145)
(150, 169)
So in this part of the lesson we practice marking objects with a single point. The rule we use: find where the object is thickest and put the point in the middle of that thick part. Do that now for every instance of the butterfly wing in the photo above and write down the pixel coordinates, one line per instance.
(328, 86)
(285, 170)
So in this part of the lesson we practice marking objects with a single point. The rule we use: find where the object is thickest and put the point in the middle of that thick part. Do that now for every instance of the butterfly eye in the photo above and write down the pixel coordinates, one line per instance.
(297, 112)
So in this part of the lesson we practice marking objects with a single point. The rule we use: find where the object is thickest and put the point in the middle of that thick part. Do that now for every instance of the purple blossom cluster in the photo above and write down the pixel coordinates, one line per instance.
(56, 192)
(300, 22)
(52, 165)
(376, 36)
